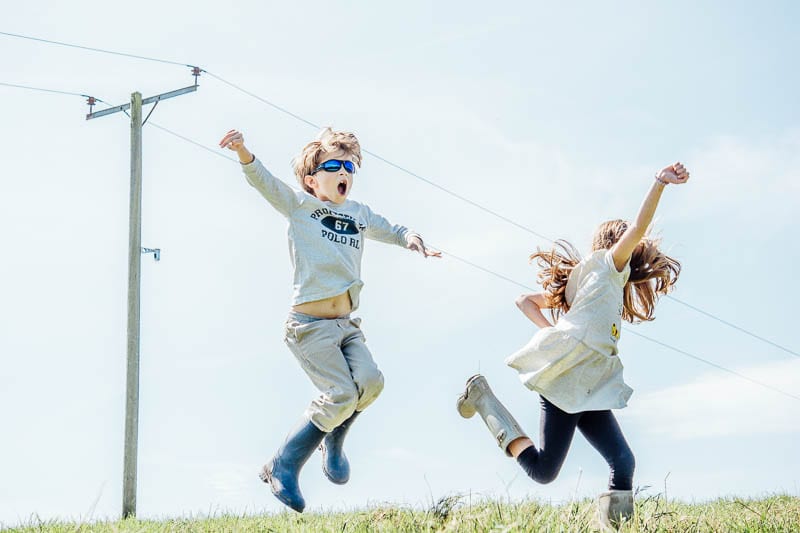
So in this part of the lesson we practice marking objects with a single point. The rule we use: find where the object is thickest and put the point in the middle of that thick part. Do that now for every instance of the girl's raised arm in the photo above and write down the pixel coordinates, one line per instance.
(623, 249)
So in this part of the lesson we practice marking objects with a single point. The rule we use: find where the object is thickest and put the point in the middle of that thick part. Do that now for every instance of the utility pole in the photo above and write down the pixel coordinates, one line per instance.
(135, 252)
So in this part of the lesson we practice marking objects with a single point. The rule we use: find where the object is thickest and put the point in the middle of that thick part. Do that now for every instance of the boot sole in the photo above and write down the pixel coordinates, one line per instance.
(464, 409)
(266, 476)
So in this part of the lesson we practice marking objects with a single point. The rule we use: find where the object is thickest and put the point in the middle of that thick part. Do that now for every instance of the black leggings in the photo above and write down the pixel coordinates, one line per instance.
(556, 430)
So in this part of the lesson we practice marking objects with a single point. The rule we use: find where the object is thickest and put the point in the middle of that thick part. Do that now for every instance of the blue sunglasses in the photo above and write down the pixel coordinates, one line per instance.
(333, 165)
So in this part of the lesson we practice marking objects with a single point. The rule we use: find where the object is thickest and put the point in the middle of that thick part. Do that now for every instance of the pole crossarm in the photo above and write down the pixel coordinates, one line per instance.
(145, 101)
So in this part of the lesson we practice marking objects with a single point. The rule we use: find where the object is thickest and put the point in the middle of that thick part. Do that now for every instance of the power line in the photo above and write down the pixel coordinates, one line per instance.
(484, 269)
(179, 136)
(28, 87)
(492, 212)
(293, 115)
(263, 100)
(386, 161)
(456, 195)
(660, 343)
(479, 206)
(151, 123)
(719, 367)
(734, 326)
(488, 271)
(522, 285)
(91, 49)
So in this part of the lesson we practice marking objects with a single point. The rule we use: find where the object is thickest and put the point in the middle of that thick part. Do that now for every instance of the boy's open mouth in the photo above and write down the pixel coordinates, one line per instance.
(342, 187)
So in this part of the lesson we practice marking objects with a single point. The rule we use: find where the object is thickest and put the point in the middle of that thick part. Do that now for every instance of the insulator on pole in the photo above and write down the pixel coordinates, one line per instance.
(196, 72)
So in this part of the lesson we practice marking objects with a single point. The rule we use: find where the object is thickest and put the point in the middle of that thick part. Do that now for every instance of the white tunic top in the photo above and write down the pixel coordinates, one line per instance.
(574, 364)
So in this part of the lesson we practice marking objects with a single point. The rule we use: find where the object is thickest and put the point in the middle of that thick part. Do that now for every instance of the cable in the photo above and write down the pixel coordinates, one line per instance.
(47, 90)
(252, 95)
(663, 344)
(187, 139)
(456, 195)
(505, 278)
(475, 265)
(179, 136)
(719, 367)
(384, 160)
(490, 211)
(151, 123)
(734, 326)
(94, 49)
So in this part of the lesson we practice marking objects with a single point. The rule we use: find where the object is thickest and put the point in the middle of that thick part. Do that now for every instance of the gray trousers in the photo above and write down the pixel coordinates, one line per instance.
(333, 354)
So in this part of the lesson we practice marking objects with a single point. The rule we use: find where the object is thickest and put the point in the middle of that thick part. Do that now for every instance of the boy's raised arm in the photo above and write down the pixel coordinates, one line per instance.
(277, 193)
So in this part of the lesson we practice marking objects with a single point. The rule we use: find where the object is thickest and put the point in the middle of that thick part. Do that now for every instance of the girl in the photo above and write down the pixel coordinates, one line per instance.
(573, 365)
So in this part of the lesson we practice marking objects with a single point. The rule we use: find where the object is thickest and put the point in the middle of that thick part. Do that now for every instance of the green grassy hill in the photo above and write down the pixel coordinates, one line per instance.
(455, 513)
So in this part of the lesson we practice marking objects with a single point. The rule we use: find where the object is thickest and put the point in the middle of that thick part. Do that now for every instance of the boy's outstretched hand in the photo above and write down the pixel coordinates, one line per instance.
(415, 243)
(234, 140)
(676, 174)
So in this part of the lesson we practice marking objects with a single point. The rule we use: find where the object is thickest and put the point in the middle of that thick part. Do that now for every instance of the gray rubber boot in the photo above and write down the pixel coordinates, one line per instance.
(479, 398)
(335, 465)
(282, 471)
(614, 507)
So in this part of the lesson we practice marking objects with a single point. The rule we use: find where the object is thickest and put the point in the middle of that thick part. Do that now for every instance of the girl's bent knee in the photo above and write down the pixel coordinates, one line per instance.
(536, 469)
(544, 477)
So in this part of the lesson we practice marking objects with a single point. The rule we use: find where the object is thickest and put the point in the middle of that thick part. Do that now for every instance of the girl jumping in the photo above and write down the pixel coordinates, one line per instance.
(573, 365)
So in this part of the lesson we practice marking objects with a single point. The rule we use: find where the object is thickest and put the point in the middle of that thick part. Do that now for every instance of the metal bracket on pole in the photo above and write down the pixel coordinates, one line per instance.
(155, 251)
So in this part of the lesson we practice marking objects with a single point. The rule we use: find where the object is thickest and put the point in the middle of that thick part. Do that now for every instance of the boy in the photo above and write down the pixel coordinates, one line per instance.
(326, 240)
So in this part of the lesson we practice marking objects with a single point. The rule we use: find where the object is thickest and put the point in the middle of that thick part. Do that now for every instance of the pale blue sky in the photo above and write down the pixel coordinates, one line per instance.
(555, 117)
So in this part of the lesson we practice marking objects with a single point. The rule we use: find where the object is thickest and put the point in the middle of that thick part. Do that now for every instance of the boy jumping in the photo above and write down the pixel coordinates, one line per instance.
(326, 240)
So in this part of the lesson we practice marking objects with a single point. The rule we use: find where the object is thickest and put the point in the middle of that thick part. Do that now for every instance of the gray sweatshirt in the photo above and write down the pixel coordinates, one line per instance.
(326, 240)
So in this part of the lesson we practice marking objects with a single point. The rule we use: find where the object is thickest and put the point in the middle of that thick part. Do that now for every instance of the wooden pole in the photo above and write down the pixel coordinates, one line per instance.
(134, 286)
(135, 251)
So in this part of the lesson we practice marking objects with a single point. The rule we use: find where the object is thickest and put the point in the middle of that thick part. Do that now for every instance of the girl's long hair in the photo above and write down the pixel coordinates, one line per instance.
(653, 273)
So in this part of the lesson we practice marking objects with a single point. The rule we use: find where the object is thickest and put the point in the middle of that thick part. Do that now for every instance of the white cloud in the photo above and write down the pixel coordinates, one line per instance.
(724, 405)
(734, 175)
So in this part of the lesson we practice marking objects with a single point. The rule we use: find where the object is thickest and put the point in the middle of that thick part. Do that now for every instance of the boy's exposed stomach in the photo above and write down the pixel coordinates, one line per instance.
(333, 307)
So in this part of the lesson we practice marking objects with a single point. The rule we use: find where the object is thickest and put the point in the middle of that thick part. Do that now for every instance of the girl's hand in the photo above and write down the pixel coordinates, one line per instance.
(415, 244)
(676, 174)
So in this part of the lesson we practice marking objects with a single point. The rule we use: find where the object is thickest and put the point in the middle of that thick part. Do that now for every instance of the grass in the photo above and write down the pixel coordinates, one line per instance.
(452, 513)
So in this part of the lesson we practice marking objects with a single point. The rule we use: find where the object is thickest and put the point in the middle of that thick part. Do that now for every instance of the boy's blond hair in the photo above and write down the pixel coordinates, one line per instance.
(314, 153)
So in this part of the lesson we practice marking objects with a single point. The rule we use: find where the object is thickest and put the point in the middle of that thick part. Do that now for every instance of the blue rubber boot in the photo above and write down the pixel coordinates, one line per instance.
(334, 462)
(282, 471)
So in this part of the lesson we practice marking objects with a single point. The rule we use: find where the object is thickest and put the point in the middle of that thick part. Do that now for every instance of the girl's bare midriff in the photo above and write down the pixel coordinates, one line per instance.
(332, 307)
